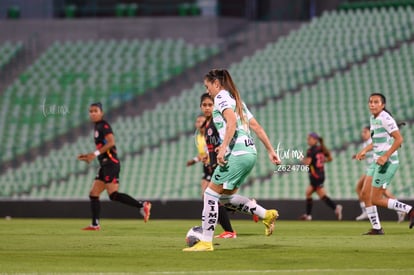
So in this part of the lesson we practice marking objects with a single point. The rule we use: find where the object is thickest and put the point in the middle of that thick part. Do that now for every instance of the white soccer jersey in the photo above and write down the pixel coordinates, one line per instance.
(242, 142)
(369, 156)
(381, 128)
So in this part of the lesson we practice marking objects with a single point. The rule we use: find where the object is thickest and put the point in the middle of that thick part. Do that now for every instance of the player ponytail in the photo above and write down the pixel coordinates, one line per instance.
(325, 150)
(229, 85)
(223, 76)
(401, 123)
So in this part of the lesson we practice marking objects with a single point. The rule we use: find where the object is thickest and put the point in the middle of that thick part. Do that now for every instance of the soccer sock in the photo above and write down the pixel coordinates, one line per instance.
(309, 205)
(373, 217)
(125, 199)
(96, 209)
(362, 205)
(329, 202)
(224, 220)
(243, 204)
(210, 214)
(398, 206)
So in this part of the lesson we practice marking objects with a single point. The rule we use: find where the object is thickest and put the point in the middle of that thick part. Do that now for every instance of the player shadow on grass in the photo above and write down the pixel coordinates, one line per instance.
(251, 234)
(253, 246)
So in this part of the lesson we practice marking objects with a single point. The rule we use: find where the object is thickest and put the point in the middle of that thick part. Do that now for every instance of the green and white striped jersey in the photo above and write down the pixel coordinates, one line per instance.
(242, 142)
(381, 128)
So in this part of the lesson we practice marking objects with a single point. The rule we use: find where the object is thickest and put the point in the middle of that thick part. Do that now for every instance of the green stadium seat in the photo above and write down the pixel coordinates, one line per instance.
(326, 44)
(106, 71)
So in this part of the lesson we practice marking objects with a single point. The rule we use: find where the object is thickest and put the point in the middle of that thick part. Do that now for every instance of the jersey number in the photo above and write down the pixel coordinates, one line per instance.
(320, 160)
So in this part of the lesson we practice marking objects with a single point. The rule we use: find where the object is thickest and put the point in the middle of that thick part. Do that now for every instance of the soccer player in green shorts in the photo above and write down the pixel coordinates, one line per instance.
(386, 139)
(369, 159)
(236, 157)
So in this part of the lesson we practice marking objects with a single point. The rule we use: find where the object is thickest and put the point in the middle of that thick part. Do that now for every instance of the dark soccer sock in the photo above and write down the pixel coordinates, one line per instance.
(309, 205)
(96, 209)
(125, 199)
(329, 202)
(224, 219)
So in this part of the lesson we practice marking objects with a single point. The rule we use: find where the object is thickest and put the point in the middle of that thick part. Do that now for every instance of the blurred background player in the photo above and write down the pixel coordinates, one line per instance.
(316, 157)
(386, 139)
(369, 159)
(108, 174)
(201, 147)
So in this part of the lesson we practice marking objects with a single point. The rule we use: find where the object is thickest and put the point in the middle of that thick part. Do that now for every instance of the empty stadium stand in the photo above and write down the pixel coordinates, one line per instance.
(317, 78)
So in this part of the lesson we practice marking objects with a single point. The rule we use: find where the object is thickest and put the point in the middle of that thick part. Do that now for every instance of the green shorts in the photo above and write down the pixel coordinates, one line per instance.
(235, 172)
(382, 175)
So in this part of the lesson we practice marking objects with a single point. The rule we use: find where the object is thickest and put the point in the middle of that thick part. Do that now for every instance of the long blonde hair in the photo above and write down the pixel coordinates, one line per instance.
(224, 77)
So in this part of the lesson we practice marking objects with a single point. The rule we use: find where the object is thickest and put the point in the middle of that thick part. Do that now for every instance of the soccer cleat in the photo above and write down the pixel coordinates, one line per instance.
(374, 232)
(146, 210)
(227, 235)
(411, 217)
(338, 212)
(200, 246)
(401, 216)
(363, 216)
(305, 217)
(269, 221)
(92, 228)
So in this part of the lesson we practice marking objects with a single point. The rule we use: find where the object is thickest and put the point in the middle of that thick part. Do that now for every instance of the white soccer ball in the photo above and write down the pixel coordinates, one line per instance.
(194, 235)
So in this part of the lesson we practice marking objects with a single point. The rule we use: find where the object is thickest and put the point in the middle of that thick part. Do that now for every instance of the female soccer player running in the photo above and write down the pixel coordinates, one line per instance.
(236, 157)
(386, 139)
(108, 174)
(316, 156)
(369, 159)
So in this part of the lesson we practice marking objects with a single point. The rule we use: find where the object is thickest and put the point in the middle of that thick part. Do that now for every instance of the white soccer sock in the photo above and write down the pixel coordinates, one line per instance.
(373, 217)
(362, 205)
(210, 214)
(398, 206)
(243, 204)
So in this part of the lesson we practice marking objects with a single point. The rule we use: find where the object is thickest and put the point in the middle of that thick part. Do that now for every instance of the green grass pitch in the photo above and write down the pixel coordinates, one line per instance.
(130, 246)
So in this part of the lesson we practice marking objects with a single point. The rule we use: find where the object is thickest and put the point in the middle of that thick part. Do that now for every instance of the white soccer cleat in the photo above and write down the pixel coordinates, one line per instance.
(363, 216)
(401, 216)
(338, 212)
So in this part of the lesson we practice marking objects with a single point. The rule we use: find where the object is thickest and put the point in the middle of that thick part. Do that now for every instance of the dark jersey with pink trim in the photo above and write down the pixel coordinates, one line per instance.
(213, 141)
(317, 165)
(102, 129)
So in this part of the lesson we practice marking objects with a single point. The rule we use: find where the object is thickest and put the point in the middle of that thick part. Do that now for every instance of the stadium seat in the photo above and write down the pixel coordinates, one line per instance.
(276, 84)
(71, 75)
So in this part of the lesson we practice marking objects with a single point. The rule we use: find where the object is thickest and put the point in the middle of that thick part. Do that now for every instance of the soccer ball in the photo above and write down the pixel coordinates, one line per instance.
(193, 235)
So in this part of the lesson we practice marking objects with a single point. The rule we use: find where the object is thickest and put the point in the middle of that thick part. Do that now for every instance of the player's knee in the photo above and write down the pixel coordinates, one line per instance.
(113, 196)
